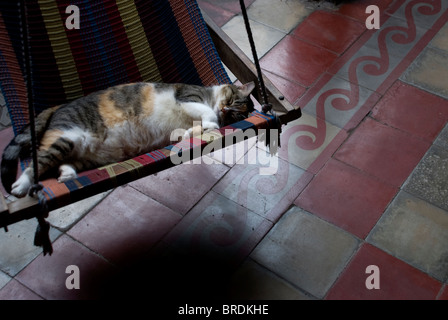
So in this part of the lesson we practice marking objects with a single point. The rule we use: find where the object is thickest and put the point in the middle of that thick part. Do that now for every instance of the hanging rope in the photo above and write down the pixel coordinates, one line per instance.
(266, 106)
(41, 238)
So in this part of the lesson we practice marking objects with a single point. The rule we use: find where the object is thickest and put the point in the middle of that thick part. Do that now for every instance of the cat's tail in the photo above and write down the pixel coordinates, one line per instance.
(20, 147)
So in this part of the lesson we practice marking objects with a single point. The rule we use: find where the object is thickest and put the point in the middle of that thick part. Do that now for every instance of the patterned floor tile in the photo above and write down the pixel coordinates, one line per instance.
(429, 180)
(340, 102)
(353, 200)
(412, 110)
(330, 31)
(14, 290)
(17, 247)
(357, 9)
(94, 272)
(305, 251)
(269, 193)
(397, 280)
(281, 15)
(265, 37)
(180, 187)
(416, 232)
(297, 60)
(218, 228)
(253, 282)
(309, 142)
(130, 229)
(423, 14)
(382, 151)
(429, 72)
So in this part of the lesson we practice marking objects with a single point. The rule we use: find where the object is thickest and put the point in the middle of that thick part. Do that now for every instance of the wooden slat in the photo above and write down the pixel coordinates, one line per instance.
(244, 69)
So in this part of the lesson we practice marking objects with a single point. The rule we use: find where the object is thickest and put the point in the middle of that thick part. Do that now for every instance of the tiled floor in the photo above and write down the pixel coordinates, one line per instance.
(361, 179)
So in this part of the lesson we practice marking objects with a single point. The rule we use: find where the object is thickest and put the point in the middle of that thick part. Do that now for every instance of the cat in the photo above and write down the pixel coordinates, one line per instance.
(119, 123)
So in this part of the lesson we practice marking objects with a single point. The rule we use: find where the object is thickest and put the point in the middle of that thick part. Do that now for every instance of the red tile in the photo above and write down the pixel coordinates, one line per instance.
(444, 294)
(125, 225)
(297, 60)
(330, 31)
(182, 186)
(290, 90)
(397, 280)
(412, 110)
(47, 276)
(346, 197)
(357, 9)
(219, 15)
(382, 151)
(14, 290)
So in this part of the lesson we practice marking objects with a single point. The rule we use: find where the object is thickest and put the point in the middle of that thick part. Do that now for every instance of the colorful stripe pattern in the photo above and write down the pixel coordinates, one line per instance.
(119, 41)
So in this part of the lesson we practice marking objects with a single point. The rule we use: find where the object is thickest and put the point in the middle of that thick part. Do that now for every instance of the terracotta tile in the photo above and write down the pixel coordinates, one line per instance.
(353, 200)
(290, 90)
(412, 110)
(51, 280)
(416, 232)
(306, 251)
(253, 282)
(382, 151)
(124, 226)
(282, 15)
(443, 294)
(219, 15)
(329, 31)
(357, 9)
(429, 71)
(14, 290)
(297, 60)
(180, 187)
(429, 180)
(397, 280)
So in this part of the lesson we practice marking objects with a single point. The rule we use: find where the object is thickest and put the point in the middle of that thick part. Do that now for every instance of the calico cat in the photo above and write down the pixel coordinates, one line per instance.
(117, 124)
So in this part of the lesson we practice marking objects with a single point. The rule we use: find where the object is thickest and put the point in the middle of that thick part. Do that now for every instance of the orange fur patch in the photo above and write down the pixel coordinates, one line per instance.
(147, 100)
(50, 137)
(109, 112)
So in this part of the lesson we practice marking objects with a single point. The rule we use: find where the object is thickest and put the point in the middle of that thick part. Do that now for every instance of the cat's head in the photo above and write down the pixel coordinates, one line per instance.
(235, 103)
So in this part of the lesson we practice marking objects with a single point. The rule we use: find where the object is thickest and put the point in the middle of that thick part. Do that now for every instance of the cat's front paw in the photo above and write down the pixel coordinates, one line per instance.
(20, 188)
(67, 172)
(208, 126)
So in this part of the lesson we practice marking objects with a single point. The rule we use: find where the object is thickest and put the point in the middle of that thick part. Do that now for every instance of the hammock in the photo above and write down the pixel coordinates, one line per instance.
(118, 41)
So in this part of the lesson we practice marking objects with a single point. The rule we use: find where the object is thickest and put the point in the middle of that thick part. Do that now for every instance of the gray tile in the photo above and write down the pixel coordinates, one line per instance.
(429, 71)
(265, 37)
(4, 279)
(442, 139)
(17, 246)
(306, 251)
(429, 180)
(67, 216)
(253, 282)
(415, 231)
(283, 15)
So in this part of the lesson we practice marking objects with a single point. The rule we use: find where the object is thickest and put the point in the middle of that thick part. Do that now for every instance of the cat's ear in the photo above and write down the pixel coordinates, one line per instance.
(246, 89)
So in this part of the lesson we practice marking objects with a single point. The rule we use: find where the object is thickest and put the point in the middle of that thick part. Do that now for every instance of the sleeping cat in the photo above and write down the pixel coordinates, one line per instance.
(117, 124)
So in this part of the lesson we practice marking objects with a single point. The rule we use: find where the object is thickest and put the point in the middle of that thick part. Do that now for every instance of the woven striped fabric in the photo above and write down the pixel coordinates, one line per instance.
(116, 174)
(118, 41)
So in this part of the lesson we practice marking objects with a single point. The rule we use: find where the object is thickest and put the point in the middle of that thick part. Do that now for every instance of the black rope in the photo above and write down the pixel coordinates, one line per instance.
(266, 105)
(41, 237)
